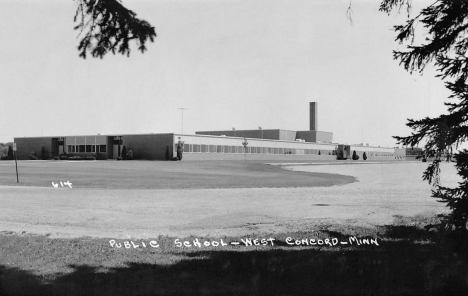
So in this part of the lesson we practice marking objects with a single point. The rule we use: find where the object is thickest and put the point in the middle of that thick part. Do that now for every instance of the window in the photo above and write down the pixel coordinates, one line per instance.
(102, 148)
(187, 147)
(81, 148)
(88, 148)
(196, 148)
(203, 148)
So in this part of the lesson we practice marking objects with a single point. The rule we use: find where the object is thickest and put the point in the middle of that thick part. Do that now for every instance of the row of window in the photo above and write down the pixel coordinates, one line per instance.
(202, 148)
(374, 153)
(86, 148)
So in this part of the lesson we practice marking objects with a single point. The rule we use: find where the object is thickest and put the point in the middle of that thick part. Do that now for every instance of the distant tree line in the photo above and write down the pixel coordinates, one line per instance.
(6, 151)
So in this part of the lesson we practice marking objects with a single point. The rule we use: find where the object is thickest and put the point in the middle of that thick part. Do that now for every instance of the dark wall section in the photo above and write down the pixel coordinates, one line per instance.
(270, 134)
(28, 145)
(152, 147)
(315, 136)
(257, 134)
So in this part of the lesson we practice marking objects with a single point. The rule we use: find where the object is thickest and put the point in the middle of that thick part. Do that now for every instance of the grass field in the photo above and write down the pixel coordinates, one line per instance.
(213, 201)
(161, 175)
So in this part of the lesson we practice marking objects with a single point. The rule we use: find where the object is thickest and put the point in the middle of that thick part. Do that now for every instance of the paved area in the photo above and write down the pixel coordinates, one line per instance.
(384, 194)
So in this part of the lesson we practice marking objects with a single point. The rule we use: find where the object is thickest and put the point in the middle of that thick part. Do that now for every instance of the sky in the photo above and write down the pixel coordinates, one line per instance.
(231, 63)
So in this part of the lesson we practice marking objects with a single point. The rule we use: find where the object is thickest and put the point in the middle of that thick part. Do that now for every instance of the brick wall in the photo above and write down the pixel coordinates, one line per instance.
(27, 145)
(151, 147)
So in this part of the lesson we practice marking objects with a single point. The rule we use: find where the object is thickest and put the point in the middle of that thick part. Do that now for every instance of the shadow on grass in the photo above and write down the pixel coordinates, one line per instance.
(409, 261)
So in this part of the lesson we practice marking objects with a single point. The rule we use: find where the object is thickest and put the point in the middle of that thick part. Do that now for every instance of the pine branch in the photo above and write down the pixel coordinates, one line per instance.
(109, 26)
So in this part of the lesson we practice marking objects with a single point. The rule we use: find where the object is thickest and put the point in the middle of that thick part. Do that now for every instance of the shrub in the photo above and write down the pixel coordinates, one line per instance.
(168, 154)
(123, 154)
(119, 158)
(180, 151)
(4, 157)
(355, 156)
(130, 155)
(32, 156)
(339, 155)
(44, 153)
(319, 153)
(82, 158)
(101, 156)
(10, 153)
(364, 156)
(63, 157)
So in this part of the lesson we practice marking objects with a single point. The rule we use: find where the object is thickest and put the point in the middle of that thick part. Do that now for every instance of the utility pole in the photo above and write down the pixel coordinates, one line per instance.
(182, 109)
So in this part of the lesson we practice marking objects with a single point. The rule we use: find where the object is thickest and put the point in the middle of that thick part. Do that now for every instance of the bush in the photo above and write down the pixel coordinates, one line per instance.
(123, 154)
(82, 158)
(44, 153)
(339, 155)
(32, 156)
(63, 157)
(320, 153)
(168, 154)
(364, 156)
(4, 157)
(10, 153)
(119, 158)
(130, 155)
(355, 156)
(101, 156)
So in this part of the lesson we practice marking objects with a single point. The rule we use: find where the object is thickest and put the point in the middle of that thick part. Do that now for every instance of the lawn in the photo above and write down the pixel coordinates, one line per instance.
(408, 261)
(161, 175)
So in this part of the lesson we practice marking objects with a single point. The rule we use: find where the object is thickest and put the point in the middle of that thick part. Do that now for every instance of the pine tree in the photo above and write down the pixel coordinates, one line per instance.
(44, 154)
(10, 153)
(124, 152)
(364, 156)
(445, 46)
(354, 157)
(168, 154)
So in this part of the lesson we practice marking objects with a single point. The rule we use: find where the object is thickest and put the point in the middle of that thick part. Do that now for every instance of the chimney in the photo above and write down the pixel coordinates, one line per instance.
(313, 116)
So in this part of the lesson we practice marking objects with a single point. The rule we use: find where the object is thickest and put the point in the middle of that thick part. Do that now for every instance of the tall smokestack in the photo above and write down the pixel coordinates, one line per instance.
(313, 116)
